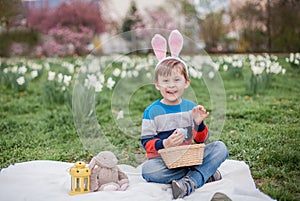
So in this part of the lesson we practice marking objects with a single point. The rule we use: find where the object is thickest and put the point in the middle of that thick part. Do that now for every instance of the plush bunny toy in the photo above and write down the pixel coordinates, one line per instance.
(105, 174)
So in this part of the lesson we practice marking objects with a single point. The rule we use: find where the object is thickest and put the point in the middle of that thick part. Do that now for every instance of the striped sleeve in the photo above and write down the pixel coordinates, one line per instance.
(200, 132)
(148, 135)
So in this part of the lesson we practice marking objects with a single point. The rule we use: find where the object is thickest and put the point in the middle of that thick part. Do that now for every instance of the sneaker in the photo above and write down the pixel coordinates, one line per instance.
(215, 177)
(182, 187)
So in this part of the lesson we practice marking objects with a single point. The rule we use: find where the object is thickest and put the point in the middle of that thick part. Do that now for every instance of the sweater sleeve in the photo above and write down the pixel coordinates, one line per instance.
(200, 132)
(152, 145)
(149, 139)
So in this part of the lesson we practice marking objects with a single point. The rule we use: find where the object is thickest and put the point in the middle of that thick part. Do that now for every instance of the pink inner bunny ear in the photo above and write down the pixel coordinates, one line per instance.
(159, 45)
(175, 43)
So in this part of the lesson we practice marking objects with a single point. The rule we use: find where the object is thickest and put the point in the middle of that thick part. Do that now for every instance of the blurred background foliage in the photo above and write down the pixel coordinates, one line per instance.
(68, 29)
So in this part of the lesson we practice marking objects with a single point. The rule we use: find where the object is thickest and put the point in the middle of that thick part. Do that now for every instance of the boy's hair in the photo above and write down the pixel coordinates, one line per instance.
(166, 67)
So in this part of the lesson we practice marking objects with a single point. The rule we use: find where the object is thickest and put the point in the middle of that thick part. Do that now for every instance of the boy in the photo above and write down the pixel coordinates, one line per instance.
(164, 117)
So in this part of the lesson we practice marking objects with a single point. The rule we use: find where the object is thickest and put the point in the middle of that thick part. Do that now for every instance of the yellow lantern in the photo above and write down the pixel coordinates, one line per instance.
(80, 178)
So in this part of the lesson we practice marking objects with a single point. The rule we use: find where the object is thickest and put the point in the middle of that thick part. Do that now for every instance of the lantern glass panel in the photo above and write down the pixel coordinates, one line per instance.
(85, 184)
(77, 184)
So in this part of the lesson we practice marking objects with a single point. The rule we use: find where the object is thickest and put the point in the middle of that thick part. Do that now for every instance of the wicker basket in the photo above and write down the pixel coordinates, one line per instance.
(182, 156)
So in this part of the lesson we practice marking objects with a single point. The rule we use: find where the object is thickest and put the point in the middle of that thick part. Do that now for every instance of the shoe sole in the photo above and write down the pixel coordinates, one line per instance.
(215, 177)
(176, 190)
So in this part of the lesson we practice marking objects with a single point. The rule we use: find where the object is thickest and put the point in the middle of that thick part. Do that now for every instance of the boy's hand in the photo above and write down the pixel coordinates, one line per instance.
(199, 114)
(174, 140)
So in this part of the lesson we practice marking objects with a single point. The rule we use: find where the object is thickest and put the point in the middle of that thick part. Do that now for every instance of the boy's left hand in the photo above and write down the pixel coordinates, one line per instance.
(199, 114)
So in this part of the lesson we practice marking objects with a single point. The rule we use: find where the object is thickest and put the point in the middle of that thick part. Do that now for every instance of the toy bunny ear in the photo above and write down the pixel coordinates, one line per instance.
(92, 163)
(159, 45)
(175, 43)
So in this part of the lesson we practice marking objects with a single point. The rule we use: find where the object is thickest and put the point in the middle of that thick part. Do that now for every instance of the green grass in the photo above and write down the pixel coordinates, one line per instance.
(262, 130)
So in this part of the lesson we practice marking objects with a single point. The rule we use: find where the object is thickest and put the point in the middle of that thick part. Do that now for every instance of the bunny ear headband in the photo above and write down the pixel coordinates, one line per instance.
(159, 45)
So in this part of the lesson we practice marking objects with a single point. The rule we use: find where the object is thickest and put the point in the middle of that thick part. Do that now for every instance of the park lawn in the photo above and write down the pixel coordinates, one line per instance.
(262, 130)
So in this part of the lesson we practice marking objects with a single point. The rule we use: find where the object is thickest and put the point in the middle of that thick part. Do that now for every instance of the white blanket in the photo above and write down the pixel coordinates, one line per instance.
(50, 181)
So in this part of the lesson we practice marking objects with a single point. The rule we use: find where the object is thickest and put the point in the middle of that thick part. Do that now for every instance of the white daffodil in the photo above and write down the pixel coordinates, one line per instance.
(129, 74)
(211, 75)
(199, 75)
(275, 68)
(257, 70)
(94, 66)
(148, 75)
(78, 62)
(251, 57)
(135, 73)
(124, 66)
(21, 80)
(98, 86)
(34, 74)
(22, 70)
(239, 63)
(292, 56)
(110, 83)
(123, 74)
(51, 75)
(139, 67)
(14, 69)
(47, 66)
(101, 78)
(87, 83)
(60, 77)
(228, 59)
(193, 72)
(120, 115)
(83, 69)
(225, 67)
(34, 66)
(215, 66)
(67, 79)
(234, 64)
(71, 68)
(116, 72)
(90, 81)
(262, 64)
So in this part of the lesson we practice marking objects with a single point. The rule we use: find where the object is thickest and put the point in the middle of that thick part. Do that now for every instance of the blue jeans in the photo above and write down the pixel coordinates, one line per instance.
(154, 170)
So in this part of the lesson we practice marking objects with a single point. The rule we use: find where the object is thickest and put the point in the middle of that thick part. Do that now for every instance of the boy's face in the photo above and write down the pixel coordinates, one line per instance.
(172, 87)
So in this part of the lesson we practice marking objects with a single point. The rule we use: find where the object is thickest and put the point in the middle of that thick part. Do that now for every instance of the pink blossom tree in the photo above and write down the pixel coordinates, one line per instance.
(160, 18)
(153, 19)
(40, 18)
(71, 26)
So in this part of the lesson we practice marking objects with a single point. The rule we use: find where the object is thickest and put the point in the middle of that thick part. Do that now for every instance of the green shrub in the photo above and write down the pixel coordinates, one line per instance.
(27, 37)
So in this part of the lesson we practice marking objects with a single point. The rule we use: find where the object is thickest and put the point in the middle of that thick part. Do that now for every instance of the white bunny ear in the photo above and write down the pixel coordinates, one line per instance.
(159, 45)
(175, 43)
(92, 163)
